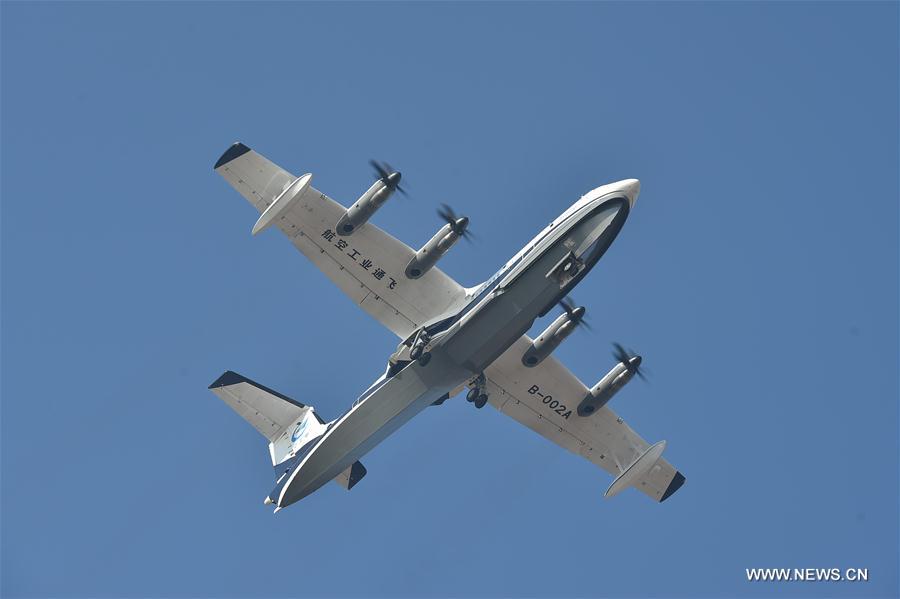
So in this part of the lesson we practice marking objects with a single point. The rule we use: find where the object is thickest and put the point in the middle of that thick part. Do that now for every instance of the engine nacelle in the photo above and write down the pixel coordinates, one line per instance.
(608, 386)
(360, 212)
(552, 336)
(437, 246)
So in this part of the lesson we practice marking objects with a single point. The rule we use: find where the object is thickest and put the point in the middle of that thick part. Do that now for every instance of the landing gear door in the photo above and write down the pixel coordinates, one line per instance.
(566, 269)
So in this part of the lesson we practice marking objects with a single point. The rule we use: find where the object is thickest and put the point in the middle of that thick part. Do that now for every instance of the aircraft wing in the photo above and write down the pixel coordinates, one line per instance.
(368, 265)
(545, 397)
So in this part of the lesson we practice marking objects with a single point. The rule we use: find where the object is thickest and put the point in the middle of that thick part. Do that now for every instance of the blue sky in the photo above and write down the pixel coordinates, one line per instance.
(758, 275)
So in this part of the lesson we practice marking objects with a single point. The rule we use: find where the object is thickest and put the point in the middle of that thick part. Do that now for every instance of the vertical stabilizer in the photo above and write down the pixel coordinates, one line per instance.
(286, 423)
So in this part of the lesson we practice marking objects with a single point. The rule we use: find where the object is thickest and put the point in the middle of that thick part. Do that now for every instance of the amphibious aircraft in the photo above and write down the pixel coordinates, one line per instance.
(451, 337)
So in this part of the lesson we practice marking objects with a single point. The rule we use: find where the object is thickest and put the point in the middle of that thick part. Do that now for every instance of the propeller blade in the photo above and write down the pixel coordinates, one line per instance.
(623, 355)
(379, 169)
(570, 307)
(461, 228)
(446, 213)
(383, 172)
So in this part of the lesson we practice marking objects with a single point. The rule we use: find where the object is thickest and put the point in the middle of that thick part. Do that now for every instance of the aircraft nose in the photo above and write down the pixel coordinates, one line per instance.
(631, 188)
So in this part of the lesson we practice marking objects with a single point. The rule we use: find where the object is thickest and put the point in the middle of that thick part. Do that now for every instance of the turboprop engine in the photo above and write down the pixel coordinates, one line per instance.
(628, 366)
(553, 335)
(437, 246)
(387, 181)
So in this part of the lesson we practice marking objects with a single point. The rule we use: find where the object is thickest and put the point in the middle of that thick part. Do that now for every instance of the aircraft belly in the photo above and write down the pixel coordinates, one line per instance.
(392, 403)
(491, 330)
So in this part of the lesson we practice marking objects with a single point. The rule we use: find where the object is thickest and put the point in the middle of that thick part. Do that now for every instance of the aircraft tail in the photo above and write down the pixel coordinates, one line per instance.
(288, 425)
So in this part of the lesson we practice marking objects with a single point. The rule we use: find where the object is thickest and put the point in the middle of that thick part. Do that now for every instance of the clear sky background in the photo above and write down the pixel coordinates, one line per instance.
(758, 275)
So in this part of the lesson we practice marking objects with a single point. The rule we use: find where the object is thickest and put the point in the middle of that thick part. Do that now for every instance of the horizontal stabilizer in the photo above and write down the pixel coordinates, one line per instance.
(270, 412)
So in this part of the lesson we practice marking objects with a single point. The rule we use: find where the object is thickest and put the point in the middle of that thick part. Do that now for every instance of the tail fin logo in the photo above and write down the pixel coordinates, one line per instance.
(300, 430)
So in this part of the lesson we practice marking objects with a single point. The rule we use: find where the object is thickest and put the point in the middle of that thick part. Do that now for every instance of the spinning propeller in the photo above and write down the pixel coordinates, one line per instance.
(576, 313)
(625, 357)
(388, 175)
(459, 224)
